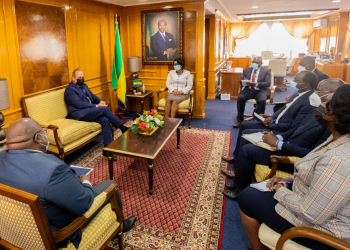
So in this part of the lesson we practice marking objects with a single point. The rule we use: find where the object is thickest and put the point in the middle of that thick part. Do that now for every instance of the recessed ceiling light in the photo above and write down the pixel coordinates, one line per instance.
(336, 1)
(255, 7)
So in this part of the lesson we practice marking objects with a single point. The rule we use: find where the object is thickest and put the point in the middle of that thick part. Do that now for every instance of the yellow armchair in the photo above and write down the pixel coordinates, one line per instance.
(185, 107)
(24, 225)
(65, 135)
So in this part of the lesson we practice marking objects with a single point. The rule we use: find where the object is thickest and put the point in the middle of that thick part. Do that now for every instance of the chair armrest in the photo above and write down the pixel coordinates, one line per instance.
(190, 104)
(191, 92)
(55, 134)
(275, 159)
(99, 201)
(272, 93)
(311, 233)
(162, 90)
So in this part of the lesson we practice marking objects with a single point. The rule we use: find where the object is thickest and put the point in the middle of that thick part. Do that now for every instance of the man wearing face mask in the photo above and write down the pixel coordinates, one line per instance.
(63, 195)
(298, 141)
(256, 83)
(83, 105)
(307, 63)
(286, 118)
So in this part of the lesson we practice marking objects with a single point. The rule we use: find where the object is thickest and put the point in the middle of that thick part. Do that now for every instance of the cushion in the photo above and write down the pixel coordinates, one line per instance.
(17, 225)
(71, 130)
(100, 228)
(262, 171)
(183, 106)
(269, 238)
(47, 107)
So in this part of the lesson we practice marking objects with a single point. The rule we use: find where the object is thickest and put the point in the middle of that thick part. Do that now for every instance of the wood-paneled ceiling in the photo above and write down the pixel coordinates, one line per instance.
(232, 8)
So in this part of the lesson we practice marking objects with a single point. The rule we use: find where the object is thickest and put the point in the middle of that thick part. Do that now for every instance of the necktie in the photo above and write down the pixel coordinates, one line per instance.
(163, 37)
(253, 79)
(86, 94)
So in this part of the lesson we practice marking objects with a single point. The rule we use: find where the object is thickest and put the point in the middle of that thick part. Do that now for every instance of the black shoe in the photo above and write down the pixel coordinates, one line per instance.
(129, 223)
(232, 194)
(230, 186)
(123, 128)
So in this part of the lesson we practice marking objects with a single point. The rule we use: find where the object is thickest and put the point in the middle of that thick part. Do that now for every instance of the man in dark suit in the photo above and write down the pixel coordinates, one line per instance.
(63, 195)
(286, 118)
(308, 63)
(163, 44)
(256, 82)
(298, 142)
(83, 105)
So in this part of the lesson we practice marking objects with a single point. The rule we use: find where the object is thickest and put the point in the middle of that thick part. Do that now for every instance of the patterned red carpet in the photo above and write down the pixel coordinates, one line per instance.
(185, 209)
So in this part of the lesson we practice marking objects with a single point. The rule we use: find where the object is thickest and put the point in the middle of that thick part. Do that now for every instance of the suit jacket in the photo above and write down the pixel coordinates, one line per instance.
(264, 78)
(158, 45)
(320, 75)
(61, 193)
(294, 115)
(301, 140)
(76, 101)
(321, 190)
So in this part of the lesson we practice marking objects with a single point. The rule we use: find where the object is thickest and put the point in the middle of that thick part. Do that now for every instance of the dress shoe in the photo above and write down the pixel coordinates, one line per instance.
(230, 186)
(129, 223)
(237, 125)
(232, 194)
(229, 159)
(229, 173)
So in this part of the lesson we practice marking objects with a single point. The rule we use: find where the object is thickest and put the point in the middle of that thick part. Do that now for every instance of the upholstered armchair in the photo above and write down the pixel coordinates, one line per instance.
(267, 55)
(65, 135)
(23, 223)
(185, 107)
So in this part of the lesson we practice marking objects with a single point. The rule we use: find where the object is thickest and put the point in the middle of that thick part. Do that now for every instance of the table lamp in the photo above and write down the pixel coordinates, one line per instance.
(134, 65)
(4, 104)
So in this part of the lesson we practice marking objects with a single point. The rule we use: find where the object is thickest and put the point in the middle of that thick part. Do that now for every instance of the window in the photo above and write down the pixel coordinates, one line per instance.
(270, 36)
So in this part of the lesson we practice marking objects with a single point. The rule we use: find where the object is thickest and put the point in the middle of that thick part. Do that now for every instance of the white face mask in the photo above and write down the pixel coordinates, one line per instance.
(48, 143)
(301, 68)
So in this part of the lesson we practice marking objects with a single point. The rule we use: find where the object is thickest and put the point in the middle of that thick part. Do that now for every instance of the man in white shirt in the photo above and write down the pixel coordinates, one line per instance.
(256, 82)
(163, 44)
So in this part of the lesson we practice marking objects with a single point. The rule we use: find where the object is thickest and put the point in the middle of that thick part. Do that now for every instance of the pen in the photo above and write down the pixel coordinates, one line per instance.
(273, 120)
(287, 182)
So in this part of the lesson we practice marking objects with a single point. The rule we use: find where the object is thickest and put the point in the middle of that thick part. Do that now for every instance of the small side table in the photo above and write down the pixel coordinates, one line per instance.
(148, 94)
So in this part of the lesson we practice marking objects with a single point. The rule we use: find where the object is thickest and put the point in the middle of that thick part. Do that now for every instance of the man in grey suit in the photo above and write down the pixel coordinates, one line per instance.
(256, 82)
(63, 195)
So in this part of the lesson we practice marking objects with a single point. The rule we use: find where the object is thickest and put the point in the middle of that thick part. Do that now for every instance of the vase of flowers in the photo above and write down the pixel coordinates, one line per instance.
(147, 123)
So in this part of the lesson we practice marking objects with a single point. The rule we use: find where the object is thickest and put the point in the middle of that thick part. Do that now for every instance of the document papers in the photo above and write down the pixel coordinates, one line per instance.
(261, 186)
(80, 171)
(244, 82)
(256, 139)
(259, 117)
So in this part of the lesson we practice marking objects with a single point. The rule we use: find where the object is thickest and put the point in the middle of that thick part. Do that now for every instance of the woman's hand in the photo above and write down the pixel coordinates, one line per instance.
(269, 138)
(179, 92)
(273, 181)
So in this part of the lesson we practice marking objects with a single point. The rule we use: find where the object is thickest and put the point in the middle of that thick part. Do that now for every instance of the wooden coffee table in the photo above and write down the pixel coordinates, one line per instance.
(143, 147)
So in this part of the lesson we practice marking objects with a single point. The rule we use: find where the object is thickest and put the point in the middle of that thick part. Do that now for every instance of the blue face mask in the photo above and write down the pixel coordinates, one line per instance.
(293, 85)
(255, 66)
(177, 67)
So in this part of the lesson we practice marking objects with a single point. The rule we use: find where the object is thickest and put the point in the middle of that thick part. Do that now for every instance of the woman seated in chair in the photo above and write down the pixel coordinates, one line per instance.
(319, 196)
(179, 83)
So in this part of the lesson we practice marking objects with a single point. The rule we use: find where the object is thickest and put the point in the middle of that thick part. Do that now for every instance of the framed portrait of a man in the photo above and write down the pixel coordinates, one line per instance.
(161, 35)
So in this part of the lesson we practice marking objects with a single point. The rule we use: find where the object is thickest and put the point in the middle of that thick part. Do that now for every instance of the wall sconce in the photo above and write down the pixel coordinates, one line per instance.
(4, 104)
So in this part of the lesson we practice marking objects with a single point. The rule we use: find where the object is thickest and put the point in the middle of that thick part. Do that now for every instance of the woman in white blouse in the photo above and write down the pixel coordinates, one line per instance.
(179, 83)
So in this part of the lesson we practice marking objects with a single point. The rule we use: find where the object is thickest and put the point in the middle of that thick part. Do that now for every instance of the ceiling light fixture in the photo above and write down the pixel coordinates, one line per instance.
(255, 7)
(336, 1)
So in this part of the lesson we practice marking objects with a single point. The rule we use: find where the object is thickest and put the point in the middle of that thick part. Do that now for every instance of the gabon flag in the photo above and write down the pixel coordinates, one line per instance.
(118, 83)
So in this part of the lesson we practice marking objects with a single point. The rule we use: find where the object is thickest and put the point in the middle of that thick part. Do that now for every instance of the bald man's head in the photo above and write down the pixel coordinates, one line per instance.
(327, 87)
(25, 134)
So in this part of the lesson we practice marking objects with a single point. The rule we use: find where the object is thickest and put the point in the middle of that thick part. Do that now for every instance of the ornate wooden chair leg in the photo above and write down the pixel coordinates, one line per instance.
(120, 241)
(189, 121)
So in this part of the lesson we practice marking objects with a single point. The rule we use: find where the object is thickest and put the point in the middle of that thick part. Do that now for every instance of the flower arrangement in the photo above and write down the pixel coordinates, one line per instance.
(147, 122)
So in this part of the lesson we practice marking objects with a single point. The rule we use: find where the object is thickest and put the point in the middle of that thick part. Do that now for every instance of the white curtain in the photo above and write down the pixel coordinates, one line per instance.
(271, 36)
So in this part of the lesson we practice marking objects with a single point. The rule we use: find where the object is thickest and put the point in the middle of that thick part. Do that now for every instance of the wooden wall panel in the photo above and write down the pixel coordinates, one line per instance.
(42, 45)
